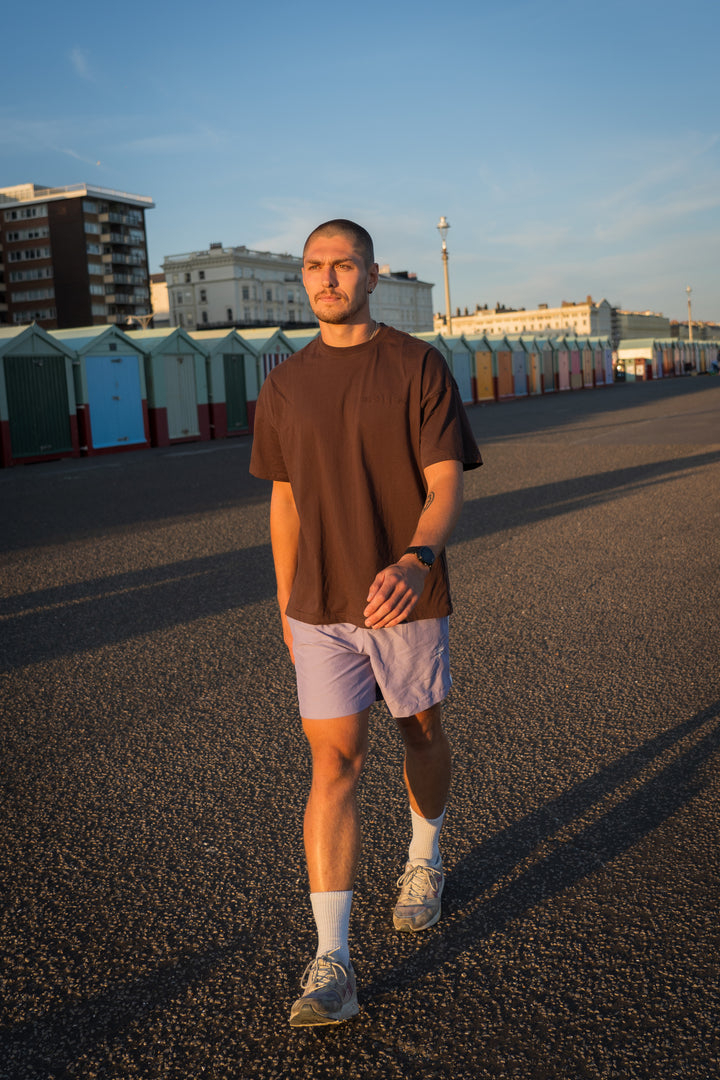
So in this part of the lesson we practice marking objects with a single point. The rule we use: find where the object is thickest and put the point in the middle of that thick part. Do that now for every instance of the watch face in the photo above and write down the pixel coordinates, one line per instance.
(424, 554)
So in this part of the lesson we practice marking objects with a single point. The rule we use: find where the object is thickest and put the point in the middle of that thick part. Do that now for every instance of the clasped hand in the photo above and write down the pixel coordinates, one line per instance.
(393, 594)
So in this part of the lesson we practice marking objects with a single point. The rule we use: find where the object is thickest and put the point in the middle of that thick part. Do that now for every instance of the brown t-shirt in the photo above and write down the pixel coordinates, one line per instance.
(352, 429)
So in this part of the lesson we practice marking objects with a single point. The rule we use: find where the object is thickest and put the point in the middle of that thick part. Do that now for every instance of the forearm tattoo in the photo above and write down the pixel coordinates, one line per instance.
(428, 501)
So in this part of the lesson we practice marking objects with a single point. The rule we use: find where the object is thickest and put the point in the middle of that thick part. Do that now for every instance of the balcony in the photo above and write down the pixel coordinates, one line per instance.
(138, 259)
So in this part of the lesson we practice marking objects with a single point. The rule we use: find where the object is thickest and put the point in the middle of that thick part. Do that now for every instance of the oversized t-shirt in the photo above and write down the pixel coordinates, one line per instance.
(351, 430)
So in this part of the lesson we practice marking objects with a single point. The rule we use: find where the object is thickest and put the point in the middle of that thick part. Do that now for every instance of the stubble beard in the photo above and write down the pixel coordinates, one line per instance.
(333, 317)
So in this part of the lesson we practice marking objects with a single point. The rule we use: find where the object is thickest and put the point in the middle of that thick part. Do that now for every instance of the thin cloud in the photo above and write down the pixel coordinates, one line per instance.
(79, 62)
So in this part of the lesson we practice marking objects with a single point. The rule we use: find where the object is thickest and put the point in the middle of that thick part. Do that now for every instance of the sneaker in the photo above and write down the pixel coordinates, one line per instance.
(418, 905)
(330, 993)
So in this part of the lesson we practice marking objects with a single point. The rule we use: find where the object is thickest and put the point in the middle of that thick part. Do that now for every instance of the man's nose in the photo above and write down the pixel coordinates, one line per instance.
(329, 277)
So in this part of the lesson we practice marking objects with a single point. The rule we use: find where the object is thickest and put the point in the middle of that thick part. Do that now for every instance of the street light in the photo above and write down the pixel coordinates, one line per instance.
(688, 291)
(442, 226)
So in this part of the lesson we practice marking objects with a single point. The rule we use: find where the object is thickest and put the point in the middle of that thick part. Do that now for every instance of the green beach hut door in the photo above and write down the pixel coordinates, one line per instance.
(235, 393)
(38, 405)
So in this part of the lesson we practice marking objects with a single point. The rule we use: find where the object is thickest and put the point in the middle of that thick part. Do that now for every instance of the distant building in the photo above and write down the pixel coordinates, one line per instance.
(72, 256)
(238, 286)
(400, 300)
(639, 324)
(585, 318)
(159, 301)
(701, 331)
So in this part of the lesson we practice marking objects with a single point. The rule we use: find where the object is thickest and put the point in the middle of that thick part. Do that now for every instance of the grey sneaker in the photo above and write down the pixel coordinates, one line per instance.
(330, 993)
(418, 905)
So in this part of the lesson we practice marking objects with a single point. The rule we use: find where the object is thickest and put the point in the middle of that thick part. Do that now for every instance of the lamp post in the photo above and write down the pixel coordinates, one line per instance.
(442, 227)
(688, 291)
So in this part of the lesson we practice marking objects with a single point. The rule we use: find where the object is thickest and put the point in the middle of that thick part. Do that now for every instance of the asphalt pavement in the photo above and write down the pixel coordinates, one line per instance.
(155, 920)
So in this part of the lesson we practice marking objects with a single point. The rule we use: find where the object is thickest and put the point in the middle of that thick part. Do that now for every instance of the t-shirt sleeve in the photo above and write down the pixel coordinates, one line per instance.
(267, 460)
(445, 433)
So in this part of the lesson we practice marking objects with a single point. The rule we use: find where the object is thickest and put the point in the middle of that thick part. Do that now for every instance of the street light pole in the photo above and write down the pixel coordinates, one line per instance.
(443, 226)
(688, 291)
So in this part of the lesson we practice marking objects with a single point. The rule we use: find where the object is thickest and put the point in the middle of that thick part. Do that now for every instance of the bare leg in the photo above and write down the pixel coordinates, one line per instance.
(332, 827)
(427, 761)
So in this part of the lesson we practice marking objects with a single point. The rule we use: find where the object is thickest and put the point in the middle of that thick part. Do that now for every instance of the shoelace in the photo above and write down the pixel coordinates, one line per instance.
(416, 881)
(322, 970)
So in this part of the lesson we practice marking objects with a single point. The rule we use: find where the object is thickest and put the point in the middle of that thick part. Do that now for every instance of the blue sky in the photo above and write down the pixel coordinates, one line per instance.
(574, 149)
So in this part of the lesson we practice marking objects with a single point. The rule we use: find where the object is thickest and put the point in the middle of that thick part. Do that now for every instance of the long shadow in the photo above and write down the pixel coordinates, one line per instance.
(47, 1045)
(534, 415)
(73, 618)
(485, 515)
(594, 846)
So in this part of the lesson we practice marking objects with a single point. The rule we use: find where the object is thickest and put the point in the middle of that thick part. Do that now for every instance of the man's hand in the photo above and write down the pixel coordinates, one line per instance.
(394, 593)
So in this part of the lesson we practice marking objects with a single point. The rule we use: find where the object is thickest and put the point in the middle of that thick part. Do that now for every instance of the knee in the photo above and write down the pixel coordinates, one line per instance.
(334, 766)
(422, 732)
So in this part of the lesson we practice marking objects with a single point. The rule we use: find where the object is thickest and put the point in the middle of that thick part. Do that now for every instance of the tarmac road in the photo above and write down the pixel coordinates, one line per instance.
(155, 920)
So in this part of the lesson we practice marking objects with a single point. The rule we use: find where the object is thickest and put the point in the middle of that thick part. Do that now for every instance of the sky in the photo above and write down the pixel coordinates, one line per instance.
(574, 149)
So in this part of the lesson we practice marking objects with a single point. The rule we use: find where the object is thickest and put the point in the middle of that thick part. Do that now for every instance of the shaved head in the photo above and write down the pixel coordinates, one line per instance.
(360, 237)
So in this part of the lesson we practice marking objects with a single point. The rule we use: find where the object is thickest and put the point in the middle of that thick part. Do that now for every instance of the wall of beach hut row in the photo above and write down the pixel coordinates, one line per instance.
(97, 390)
(654, 358)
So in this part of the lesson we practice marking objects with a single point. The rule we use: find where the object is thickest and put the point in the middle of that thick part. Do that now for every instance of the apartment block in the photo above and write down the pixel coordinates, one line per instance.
(72, 256)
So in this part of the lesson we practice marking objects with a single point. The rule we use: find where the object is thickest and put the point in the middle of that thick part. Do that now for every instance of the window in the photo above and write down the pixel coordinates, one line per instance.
(89, 207)
(203, 316)
(92, 227)
(187, 278)
(31, 275)
(28, 234)
(96, 268)
(98, 309)
(32, 294)
(29, 253)
(203, 296)
(20, 317)
(179, 298)
(229, 314)
(201, 275)
(268, 295)
(97, 290)
(93, 249)
(246, 292)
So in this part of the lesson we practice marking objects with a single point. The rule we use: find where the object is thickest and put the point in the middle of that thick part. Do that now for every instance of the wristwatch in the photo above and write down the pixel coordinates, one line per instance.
(425, 555)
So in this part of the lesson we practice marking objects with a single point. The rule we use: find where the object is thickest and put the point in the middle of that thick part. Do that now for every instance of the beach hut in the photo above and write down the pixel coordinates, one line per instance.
(38, 418)
(561, 348)
(548, 367)
(533, 366)
(462, 365)
(502, 368)
(484, 386)
(519, 367)
(271, 346)
(587, 363)
(300, 338)
(110, 391)
(230, 363)
(176, 378)
(575, 356)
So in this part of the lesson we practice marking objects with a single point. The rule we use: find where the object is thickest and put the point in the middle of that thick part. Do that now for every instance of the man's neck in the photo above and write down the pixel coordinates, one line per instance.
(345, 335)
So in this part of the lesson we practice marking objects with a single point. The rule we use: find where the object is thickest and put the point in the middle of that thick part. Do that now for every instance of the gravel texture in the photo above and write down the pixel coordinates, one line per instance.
(155, 919)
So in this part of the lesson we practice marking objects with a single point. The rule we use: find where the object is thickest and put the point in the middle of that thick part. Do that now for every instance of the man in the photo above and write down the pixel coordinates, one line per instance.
(364, 437)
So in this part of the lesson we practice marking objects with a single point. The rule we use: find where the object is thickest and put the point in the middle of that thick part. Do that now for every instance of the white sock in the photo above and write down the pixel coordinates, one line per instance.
(425, 838)
(332, 918)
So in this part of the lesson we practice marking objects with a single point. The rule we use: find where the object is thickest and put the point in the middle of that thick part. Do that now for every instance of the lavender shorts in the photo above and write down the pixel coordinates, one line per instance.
(339, 667)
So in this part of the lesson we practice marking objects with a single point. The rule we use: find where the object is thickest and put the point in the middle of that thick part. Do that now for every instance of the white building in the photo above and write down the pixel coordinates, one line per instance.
(586, 319)
(235, 286)
(241, 287)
